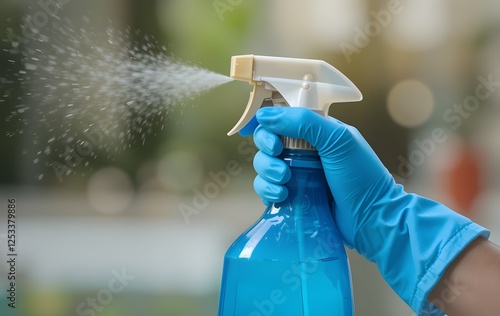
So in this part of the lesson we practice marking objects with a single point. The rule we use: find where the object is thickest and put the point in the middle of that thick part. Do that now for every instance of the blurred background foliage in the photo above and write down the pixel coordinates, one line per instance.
(414, 61)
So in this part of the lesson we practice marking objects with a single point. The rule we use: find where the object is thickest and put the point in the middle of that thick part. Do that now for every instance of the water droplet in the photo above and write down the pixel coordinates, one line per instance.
(30, 66)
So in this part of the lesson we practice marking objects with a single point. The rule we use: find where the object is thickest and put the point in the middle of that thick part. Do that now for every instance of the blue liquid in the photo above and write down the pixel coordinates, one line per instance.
(292, 261)
(265, 288)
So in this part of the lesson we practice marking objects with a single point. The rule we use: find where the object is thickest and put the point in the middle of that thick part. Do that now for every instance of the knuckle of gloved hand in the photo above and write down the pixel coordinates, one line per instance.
(260, 160)
(354, 136)
(346, 133)
(283, 194)
(276, 193)
(353, 130)
(269, 191)
(267, 142)
(286, 173)
(277, 171)
(271, 168)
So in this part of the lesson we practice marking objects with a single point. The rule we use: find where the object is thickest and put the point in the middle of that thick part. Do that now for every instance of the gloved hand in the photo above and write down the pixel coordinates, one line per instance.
(411, 239)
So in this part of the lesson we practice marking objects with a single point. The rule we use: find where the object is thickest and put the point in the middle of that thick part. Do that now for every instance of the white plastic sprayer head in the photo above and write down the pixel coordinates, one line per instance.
(308, 83)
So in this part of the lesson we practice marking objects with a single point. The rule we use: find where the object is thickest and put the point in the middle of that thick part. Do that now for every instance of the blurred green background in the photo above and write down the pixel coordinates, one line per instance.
(419, 65)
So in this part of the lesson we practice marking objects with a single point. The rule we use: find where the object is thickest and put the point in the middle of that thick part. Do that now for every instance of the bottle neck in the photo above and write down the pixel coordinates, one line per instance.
(307, 184)
(302, 158)
(296, 143)
(307, 208)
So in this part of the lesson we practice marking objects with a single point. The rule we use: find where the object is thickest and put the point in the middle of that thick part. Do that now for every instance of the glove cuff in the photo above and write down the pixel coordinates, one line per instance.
(413, 240)
(455, 245)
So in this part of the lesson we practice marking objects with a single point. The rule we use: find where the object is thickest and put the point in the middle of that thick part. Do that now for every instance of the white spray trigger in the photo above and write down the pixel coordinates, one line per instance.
(309, 83)
(257, 97)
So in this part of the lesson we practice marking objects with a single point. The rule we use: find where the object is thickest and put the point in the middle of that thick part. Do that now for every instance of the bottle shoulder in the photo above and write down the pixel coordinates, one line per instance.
(282, 236)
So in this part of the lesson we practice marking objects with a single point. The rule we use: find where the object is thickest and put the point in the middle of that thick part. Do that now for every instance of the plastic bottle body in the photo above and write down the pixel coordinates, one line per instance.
(292, 260)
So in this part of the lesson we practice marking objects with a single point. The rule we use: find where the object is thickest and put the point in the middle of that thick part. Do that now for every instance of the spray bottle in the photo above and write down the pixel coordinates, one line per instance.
(292, 260)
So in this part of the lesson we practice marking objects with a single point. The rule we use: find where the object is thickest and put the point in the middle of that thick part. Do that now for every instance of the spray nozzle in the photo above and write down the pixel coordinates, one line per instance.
(309, 83)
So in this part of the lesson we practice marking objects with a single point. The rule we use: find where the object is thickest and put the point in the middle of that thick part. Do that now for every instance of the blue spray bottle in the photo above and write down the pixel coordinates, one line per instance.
(292, 261)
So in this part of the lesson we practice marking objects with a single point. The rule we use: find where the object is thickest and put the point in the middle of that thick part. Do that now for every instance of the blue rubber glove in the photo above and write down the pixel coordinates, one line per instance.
(411, 239)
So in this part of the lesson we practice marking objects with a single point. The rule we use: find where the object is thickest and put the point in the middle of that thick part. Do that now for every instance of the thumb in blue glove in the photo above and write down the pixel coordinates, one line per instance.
(411, 239)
